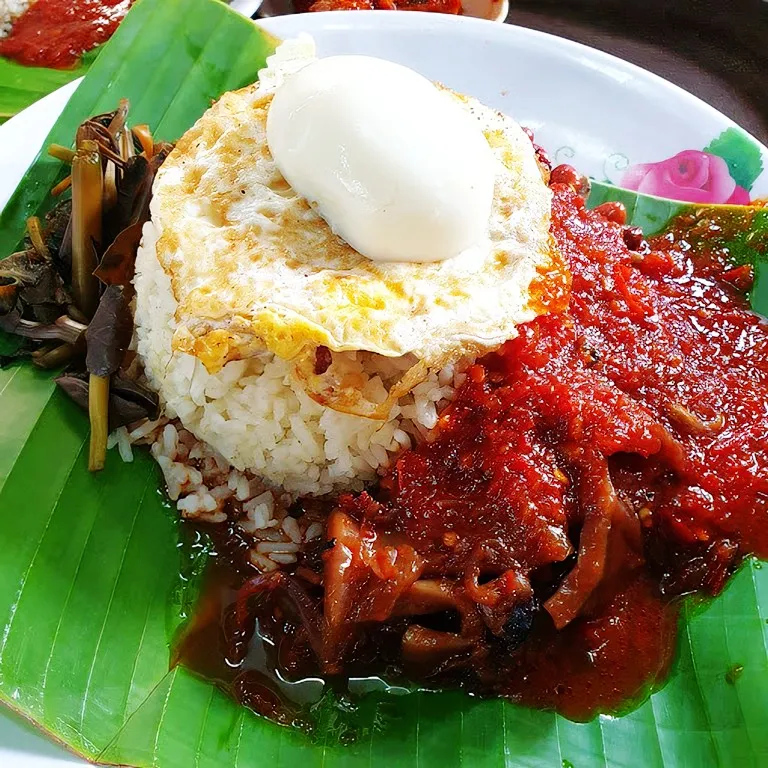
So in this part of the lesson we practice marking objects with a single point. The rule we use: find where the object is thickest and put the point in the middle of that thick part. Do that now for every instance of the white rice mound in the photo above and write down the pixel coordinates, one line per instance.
(257, 416)
(10, 10)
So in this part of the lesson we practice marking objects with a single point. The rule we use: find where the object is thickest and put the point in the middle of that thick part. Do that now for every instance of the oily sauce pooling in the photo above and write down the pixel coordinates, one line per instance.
(609, 459)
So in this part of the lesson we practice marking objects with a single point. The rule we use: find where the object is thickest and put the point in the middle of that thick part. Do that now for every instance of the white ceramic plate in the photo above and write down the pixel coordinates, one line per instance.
(587, 108)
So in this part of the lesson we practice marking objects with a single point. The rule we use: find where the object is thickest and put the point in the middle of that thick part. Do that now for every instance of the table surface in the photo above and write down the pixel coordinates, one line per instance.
(716, 49)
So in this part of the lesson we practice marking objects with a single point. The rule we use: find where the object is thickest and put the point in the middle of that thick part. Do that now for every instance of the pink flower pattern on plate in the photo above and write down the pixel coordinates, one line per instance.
(691, 175)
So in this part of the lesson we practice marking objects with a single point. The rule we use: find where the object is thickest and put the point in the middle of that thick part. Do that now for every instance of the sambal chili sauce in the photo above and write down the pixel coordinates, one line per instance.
(55, 33)
(607, 460)
(433, 6)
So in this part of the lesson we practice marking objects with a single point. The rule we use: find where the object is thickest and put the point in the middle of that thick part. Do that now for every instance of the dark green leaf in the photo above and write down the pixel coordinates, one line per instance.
(126, 220)
(109, 333)
(128, 401)
(649, 213)
(36, 279)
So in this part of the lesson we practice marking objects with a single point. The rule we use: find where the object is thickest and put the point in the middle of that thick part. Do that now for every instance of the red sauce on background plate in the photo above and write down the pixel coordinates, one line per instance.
(55, 33)
(432, 6)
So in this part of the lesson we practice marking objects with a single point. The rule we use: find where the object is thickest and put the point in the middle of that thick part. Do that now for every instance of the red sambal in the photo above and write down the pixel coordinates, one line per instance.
(433, 6)
(55, 33)
(609, 459)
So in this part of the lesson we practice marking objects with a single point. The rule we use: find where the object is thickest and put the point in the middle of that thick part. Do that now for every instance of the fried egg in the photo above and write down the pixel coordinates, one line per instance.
(255, 267)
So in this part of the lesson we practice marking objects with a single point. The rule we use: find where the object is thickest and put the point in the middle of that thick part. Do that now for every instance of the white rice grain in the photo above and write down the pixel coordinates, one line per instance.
(170, 440)
(255, 415)
(283, 559)
(262, 562)
(270, 547)
(195, 503)
(314, 531)
(292, 530)
(144, 429)
(10, 10)
(124, 445)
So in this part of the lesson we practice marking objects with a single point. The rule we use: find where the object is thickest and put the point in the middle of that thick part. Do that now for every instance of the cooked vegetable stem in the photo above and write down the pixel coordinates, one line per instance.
(110, 185)
(62, 186)
(54, 358)
(94, 320)
(110, 154)
(65, 154)
(143, 134)
(43, 350)
(92, 130)
(35, 232)
(77, 316)
(87, 196)
(64, 328)
(127, 149)
(98, 412)
(73, 327)
(117, 124)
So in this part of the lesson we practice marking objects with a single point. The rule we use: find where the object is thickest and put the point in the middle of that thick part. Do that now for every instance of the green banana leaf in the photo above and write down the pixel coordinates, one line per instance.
(645, 211)
(21, 86)
(94, 583)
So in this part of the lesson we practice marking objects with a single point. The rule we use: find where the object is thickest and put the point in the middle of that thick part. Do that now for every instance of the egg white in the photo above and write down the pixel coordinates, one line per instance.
(254, 268)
